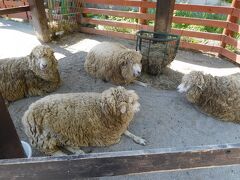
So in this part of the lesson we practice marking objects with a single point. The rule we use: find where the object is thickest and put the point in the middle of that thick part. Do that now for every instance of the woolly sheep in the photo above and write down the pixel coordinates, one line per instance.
(217, 96)
(76, 120)
(113, 62)
(35, 74)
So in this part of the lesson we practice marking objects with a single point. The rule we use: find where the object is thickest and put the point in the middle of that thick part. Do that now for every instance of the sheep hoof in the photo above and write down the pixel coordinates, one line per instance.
(135, 138)
(140, 141)
(75, 151)
(59, 153)
(141, 83)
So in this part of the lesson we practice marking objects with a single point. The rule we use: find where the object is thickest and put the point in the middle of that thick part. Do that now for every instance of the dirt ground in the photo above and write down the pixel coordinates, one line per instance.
(165, 120)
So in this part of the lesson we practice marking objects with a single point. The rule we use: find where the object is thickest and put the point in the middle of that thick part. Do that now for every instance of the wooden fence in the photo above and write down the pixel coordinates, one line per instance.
(225, 38)
(230, 25)
(13, 4)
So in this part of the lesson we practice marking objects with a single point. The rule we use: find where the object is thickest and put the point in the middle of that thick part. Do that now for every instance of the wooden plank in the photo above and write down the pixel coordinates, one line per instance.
(164, 15)
(123, 3)
(231, 41)
(232, 27)
(199, 21)
(107, 33)
(116, 24)
(204, 8)
(176, 19)
(236, 13)
(120, 163)
(204, 35)
(39, 20)
(10, 145)
(14, 10)
(118, 13)
(200, 47)
(230, 55)
(212, 36)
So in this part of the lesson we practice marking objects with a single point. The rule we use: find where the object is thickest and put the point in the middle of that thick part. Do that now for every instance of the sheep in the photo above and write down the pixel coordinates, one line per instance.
(35, 74)
(113, 62)
(75, 120)
(217, 96)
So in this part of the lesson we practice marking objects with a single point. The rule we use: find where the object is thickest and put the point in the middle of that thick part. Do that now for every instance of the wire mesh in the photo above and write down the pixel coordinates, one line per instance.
(64, 15)
(158, 50)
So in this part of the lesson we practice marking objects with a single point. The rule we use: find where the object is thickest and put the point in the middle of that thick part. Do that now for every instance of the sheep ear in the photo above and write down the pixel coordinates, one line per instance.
(123, 109)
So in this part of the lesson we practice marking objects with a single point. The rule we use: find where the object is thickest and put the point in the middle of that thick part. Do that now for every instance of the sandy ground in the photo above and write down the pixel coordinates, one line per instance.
(166, 119)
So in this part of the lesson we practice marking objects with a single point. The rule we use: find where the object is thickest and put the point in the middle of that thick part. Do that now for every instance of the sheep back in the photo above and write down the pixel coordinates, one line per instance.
(217, 96)
(105, 61)
(75, 119)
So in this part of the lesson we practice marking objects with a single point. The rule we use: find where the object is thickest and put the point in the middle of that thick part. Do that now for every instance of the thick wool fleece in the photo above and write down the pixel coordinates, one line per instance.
(112, 62)
(217, 96)
(80, 119)
(22, 77)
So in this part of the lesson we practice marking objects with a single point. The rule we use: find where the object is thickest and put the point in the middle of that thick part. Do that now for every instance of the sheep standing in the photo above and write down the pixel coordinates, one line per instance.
(218, 96)
(35, 74)
(75, 120)
(113, 62)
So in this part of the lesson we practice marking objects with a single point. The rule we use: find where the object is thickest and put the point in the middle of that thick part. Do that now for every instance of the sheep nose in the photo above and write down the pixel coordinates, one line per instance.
(137, 73)
(43, 66)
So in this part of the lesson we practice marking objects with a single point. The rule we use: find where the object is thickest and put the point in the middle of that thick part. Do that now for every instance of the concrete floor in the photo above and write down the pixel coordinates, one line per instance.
(166, 119)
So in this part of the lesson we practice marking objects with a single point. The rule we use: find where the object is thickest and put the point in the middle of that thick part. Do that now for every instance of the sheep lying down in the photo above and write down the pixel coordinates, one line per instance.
(217, 96)
(75, 120)
(35, 74)
(114, 62)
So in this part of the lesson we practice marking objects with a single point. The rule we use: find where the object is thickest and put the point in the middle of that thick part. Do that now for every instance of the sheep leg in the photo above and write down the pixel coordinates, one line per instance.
(135, 138)
(141, 83)
(74, 150)
(59, 153)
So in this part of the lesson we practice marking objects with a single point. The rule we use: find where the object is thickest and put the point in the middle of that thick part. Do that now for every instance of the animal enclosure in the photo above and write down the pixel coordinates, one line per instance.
(111, 164)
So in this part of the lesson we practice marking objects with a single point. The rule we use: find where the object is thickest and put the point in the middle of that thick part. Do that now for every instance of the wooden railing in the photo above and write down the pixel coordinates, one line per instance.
(230, 25)
(15, 8)
(225, 38)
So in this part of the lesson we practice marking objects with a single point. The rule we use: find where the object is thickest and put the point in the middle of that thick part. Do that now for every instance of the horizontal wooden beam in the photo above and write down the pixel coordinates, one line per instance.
(134, 15)
(14, 10)
(199, 21)
(196, 34)
(183, 7)
(116, 24)
(200, 47)
(230, 55)
(204, 8)
(107, 33)
(120, 163)
(135, 3)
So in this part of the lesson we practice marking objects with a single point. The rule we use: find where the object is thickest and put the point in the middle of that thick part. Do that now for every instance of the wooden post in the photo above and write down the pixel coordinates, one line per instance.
(143, 10)
(39, 20)
(10, 145)
(164, 14)
(231, 19)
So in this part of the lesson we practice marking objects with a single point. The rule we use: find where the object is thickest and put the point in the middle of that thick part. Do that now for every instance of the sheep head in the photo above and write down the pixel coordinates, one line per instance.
(193, 85)
(119, 101)
(130, 65)
(44, 64)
